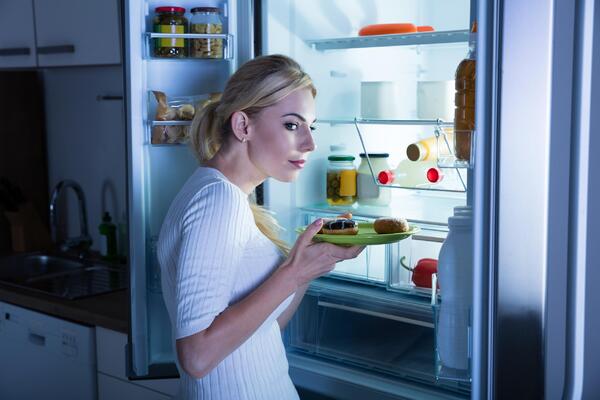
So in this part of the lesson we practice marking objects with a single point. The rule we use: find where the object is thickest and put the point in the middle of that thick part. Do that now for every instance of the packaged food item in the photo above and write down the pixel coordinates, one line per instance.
(387, 29)
(435, 100)
(170, 20)
(177, 109)
(341, 180)
(206, 20)
(464, 113)
(370, 193)
(427, 149)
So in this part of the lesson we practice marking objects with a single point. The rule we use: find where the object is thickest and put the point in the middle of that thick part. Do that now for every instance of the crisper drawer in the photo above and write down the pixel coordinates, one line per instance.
(379, 331)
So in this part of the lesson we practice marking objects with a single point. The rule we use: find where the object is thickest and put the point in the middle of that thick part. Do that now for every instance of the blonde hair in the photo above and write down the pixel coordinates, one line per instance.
(257, 84)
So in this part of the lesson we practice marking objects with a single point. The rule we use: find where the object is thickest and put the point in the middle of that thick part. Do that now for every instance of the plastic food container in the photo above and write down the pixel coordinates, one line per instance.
(370, 193)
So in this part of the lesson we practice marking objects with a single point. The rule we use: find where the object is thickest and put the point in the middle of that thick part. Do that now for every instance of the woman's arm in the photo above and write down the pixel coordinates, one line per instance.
(199, 353)
(288, 313)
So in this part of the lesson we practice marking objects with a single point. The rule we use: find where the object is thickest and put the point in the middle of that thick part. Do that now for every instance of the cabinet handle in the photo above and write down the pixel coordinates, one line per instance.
(65, 48)
(108, 97)
(15, 51)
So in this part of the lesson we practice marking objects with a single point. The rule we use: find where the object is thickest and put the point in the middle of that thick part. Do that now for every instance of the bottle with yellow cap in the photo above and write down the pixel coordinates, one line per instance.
(429, 149)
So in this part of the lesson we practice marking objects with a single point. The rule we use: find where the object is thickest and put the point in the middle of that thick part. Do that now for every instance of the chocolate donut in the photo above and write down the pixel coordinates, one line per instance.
(340, 226)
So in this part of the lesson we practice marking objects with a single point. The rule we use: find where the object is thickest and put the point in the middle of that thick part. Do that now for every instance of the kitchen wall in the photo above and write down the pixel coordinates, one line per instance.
(86, 139)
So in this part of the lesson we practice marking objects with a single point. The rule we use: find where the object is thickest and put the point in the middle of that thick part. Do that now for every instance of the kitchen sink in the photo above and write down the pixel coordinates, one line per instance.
(61, 276)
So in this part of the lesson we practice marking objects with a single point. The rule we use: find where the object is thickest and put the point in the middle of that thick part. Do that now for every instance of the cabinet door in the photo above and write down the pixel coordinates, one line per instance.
(77, 32)
(110, 388)
(17, 35)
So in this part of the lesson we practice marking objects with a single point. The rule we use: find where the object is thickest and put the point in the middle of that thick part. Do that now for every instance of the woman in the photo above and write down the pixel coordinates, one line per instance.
(227, 286)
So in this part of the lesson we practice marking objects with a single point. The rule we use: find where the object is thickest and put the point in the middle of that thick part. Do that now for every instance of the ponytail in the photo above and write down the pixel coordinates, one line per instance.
(205, 129)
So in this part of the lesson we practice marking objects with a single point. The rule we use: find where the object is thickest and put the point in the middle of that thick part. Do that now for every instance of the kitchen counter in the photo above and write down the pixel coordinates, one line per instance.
(110, 310)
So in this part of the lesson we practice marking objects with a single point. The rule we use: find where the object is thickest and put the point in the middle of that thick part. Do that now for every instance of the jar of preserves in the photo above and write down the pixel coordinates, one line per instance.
(206, 20)
(369, 193)
(170, 20)
(341, 180)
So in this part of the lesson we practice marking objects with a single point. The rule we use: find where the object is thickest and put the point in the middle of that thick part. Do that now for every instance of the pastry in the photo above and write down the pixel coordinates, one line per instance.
(391, 225)
(340, 226)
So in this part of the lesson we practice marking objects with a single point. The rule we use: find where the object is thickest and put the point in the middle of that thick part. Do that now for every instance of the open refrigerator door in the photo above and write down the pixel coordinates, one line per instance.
(170, 75)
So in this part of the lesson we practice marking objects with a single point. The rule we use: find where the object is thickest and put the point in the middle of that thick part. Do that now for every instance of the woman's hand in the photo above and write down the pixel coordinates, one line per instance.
(309, 260)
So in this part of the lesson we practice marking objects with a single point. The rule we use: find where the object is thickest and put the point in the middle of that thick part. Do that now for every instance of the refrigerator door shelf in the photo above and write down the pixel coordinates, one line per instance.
(226, 39)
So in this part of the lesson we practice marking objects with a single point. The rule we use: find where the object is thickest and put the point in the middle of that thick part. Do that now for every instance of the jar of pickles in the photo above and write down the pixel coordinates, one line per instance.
(341, 180)
(170, 20)
(206, 20)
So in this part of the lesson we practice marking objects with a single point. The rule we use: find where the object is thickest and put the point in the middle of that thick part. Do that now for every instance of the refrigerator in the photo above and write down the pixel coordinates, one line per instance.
(366, 330)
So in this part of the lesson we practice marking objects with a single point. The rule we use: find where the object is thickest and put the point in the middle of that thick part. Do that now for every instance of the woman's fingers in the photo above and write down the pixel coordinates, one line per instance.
(343, 252)
(310, 232)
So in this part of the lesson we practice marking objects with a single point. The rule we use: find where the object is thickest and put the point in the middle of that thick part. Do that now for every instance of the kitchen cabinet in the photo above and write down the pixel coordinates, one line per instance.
(113, 382)
(77, 32)
(59, 33)
(85, 137)
(17, 34)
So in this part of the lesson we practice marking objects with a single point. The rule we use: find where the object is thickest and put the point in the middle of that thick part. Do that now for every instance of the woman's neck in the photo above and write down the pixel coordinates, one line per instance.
(237, 168)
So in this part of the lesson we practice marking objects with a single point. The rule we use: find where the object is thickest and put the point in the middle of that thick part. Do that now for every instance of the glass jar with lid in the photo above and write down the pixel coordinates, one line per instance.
(170, 20)
(341, 180)
(369, 193)
(206, 20)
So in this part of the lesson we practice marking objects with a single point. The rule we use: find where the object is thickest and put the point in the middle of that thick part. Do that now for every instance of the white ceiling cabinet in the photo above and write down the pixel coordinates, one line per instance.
(77, 32)
(17, 34)
(59, 32)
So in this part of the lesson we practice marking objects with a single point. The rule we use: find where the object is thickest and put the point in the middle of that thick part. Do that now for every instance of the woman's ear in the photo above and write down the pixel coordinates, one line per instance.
(239, 125)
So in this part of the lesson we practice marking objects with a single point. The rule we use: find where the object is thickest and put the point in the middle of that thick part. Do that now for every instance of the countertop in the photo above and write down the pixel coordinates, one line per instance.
(110, 310)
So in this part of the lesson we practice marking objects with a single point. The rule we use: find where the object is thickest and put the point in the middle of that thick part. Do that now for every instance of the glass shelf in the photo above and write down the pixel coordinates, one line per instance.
(438, 222)
(408, 39)
(227, 44)
(407, 122)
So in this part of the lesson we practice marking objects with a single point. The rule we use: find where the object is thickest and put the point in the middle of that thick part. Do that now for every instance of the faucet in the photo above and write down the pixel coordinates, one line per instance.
(84, 240)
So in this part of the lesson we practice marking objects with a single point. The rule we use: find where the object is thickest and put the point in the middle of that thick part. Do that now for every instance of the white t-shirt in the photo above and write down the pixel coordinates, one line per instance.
(212, 255)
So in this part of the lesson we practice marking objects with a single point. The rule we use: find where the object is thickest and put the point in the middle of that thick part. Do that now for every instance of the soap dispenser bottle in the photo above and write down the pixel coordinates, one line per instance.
(109, 230)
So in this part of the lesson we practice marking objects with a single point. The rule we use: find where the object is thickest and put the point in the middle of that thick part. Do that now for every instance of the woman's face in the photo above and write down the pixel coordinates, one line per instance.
(281, 136)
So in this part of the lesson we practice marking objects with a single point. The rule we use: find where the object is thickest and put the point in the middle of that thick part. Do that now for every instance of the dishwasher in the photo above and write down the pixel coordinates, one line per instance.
(43, 357)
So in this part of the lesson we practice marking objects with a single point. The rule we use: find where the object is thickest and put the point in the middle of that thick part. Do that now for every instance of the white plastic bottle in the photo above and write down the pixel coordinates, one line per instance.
(455, 274)
(408, 173)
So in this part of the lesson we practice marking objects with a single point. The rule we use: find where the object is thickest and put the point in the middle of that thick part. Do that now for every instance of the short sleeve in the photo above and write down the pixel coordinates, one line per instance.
(214, 232)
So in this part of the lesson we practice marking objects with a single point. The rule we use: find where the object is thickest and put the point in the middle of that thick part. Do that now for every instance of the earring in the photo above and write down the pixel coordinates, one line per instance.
(243, 140)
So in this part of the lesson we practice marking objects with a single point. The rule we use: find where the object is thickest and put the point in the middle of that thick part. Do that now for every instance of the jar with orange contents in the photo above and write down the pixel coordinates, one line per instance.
(341, 180)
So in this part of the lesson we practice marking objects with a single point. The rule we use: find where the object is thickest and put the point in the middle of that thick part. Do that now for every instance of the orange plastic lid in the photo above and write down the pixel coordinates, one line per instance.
(387, 29)
(425, 28)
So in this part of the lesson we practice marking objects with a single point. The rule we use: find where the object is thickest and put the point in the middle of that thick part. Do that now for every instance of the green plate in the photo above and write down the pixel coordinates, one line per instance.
(366, 236)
